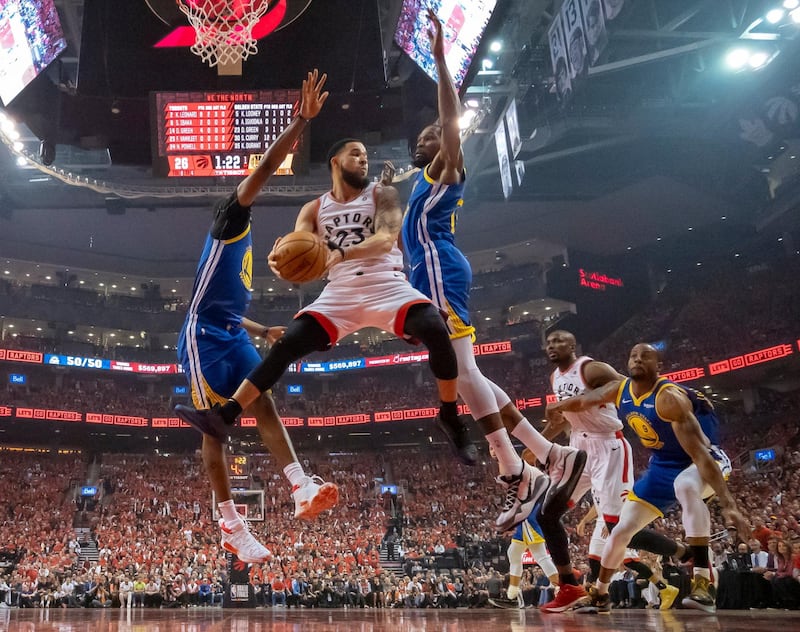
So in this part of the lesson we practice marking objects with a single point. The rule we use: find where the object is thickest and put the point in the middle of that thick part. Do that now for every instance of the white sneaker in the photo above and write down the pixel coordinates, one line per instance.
(313, 496)
(564, 467)
(239, 541)
(523, 490)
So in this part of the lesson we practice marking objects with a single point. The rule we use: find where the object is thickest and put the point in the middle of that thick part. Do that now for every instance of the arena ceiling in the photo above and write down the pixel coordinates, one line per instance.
(657, 137)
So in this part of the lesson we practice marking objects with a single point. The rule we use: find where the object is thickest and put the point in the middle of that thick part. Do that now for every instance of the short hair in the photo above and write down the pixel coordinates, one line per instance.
(337, 147)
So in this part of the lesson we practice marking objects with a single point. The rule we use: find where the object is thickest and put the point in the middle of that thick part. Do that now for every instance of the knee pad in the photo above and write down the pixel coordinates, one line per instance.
(424, 323)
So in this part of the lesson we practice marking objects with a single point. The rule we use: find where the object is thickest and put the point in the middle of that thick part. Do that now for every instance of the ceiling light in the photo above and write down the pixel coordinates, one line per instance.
(91, 335)
(737, 58)
(791, 4)
(775, 15)
(18, 146)
(48, 277)
(758, 59)
(38, 329)
(22, 161)
(466, 118)
(488, 318)
(487, 64)
(795, 15)
(11, 326)
(6, 271)
(548, 308)
(496, 46)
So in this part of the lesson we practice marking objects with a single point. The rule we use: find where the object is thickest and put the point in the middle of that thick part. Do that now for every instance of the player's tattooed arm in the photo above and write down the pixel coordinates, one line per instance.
(388, 220)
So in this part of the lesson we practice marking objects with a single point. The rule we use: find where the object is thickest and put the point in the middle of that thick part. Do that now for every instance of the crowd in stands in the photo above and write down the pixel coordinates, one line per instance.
(157, 542)
(698, 322)
(165, 543)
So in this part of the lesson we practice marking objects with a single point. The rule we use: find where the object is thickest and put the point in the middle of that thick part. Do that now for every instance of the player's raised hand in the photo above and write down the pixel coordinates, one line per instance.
(387, 173)
(271, 259)
(436, 35)
(313, 98)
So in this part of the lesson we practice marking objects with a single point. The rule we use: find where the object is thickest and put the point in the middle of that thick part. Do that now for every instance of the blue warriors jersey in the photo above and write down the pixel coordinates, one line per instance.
(656, 487)
(528, 531)
(224, 281)
(438, 268)
(215, 352)
(655, 433)
(704, 411)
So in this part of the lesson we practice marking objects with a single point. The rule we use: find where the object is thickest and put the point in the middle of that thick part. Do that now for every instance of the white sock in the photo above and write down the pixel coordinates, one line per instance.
(507, 457)
(229, 513)
(532, 439)
(294, 472)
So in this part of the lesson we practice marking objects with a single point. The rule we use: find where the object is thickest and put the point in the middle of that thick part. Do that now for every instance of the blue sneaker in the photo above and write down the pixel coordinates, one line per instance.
(208, 421)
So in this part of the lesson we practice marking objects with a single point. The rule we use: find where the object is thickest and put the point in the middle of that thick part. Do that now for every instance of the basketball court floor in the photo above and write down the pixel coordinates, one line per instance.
(317, 620)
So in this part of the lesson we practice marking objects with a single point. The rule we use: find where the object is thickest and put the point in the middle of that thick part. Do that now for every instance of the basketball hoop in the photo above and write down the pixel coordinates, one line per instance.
(224, 28)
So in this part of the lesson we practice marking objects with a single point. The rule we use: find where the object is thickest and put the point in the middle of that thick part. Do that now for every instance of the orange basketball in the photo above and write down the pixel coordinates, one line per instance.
(301, 257)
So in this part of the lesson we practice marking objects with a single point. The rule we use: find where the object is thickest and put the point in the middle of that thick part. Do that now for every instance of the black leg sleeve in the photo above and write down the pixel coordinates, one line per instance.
(303, 336)
(555, 535)
(424, 323)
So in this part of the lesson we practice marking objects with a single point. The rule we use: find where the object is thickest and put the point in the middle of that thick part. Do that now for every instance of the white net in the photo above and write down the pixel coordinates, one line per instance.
(224, 28)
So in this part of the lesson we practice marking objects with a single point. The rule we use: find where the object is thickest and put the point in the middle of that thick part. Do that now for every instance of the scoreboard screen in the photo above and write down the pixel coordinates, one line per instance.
(211, 134)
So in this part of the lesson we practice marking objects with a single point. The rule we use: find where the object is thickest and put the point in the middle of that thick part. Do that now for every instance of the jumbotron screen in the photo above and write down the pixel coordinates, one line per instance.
(214, 134)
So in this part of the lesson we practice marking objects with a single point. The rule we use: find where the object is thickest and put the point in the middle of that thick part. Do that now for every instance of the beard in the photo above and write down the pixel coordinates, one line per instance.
(420, 161)
(355, 180)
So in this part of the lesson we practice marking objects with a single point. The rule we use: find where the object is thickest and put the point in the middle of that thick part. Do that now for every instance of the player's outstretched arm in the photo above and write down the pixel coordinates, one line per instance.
(606, 394)
(674, 406)
(599, 374)
(257, 330)
(311, 102)
(452, 161)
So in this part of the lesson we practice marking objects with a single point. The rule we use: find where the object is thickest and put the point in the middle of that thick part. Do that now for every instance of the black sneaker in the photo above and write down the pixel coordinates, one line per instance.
(458, 435)
(564, 467)
(209, 421)
(598, 604)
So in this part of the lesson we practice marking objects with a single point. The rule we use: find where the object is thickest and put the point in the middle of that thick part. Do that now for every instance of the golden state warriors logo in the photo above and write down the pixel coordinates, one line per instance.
(246, 275)
(646, 433)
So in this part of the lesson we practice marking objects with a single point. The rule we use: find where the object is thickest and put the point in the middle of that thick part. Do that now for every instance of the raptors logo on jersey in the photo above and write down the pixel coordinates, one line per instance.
(347, 224)
(570, 383)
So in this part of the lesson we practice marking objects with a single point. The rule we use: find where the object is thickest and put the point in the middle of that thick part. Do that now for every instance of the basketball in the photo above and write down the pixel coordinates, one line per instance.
(301, 257)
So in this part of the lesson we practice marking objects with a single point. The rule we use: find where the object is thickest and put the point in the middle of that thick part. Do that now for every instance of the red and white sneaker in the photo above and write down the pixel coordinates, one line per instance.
(567, 597)
(239, 541)
(313, 496)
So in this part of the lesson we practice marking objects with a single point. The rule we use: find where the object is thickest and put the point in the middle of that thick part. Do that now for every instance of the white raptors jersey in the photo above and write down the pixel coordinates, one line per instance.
(348, 224)
(602, 419)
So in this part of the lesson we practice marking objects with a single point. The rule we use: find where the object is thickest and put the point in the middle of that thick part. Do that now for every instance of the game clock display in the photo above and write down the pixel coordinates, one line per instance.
(213, 134)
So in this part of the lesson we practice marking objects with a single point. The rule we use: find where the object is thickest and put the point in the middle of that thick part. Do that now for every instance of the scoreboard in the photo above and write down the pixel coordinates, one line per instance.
(212, 134)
